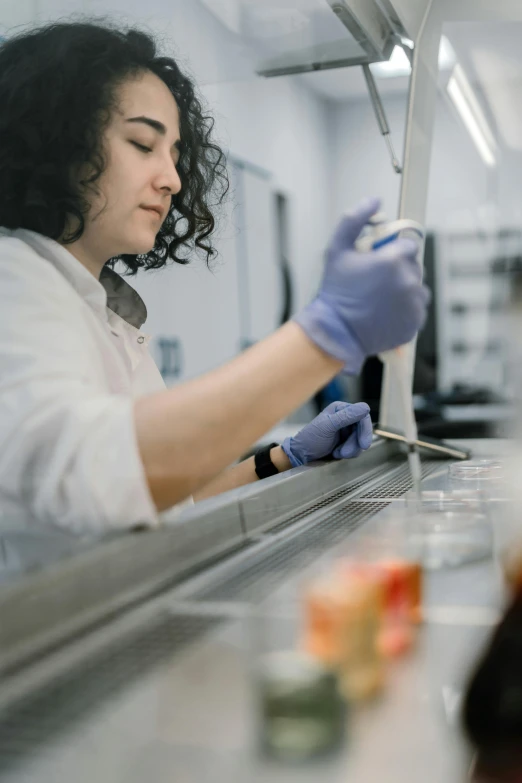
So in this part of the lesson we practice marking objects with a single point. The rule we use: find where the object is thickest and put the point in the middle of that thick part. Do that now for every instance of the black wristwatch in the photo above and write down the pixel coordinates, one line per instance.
(263, 464)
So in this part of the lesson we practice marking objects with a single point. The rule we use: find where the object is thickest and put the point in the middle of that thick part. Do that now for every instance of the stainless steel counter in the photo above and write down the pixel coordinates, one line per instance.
(162, 692)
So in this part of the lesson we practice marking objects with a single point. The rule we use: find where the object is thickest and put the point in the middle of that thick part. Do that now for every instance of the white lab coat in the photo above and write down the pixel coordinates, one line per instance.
(70, 369)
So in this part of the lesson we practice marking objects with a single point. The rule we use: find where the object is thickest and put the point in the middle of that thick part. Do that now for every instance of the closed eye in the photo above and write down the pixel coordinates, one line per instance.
(141, 147)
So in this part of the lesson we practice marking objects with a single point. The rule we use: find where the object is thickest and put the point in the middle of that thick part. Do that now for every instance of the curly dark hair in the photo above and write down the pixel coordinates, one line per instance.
(58, 89)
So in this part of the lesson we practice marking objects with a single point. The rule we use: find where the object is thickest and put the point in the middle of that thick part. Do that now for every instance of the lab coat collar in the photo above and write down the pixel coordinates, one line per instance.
(110, 291)
(122, 299)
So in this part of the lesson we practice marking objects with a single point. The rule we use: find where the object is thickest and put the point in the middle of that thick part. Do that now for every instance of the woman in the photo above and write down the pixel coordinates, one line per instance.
(106, 154)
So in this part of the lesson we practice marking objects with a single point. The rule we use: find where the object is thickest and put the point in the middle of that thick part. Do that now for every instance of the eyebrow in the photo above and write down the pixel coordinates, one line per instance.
(156, 125)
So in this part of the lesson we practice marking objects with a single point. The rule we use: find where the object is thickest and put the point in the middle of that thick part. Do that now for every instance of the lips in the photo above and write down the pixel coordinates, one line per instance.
(156, 210)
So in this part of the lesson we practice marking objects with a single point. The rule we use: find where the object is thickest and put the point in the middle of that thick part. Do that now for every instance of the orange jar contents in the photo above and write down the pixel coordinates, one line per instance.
(403, 606)
(342, 621)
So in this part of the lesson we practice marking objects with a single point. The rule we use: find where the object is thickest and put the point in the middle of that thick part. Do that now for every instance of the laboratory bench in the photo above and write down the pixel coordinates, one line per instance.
(132, 660)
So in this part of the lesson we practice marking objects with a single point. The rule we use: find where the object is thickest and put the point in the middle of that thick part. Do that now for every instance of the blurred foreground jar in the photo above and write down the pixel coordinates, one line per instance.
(343, 615)
(302, 712)
(403, 605)
(391, 549)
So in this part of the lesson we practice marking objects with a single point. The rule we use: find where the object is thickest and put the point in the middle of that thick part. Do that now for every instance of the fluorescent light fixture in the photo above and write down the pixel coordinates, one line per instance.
(447, 56)
(499, 73)
(465, 101)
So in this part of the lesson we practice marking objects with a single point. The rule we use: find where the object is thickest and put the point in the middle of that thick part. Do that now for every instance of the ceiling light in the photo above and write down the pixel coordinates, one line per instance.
(500, 75)
(471, 114)
(447, 56)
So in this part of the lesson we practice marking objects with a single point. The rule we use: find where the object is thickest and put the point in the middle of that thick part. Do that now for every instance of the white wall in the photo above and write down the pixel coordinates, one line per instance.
(361, 158)
(459, 187)
(285, 128)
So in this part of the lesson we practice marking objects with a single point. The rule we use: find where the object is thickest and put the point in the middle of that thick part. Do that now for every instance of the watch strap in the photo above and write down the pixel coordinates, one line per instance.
(264, 466)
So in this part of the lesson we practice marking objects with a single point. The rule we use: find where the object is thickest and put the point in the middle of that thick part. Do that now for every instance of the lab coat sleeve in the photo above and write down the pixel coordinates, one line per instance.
(68, 448)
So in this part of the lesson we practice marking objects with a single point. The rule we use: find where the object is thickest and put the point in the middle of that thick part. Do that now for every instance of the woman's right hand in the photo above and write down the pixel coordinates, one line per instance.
(368, 302)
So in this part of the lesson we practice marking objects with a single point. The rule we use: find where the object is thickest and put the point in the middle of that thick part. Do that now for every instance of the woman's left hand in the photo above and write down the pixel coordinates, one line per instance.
(342, 431)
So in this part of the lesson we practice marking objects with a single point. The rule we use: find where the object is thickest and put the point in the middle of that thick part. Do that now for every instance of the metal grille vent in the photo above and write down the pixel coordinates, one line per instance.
(400, 481)
(29, 725)
(348, 489)
(262, 571)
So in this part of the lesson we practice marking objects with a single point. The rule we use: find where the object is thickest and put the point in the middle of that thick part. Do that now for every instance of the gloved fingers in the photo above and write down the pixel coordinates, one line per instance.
(333, 407)
(348, 414)
(400, 249)
(403, 252)
(422, 300)
(353, 223)
(365, 432)
(355, 439)
(337, 407)
(426, 295)
(349, 449)
(412, 272)
(402, 246)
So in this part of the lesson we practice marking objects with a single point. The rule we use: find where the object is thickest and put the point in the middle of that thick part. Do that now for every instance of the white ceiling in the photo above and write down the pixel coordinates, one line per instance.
(278, 27)
(344, 84)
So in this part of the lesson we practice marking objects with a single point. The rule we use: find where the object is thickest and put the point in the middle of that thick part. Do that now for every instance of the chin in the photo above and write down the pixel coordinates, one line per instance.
(140, 245)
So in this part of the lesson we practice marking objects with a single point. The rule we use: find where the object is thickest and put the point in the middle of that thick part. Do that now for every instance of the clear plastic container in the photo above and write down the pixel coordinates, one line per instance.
(449, 529)
(485, 475)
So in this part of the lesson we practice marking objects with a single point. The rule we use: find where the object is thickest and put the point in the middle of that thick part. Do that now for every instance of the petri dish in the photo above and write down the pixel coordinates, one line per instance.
(477, 469)
(449, 529)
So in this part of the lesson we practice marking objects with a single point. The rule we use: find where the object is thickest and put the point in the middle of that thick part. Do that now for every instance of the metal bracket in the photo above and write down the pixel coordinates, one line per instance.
(381, 116)
(368, 25)
(322, 57)
(364, 19)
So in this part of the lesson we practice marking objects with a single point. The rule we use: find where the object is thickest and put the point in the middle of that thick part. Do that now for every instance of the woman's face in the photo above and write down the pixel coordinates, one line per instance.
(135, 190)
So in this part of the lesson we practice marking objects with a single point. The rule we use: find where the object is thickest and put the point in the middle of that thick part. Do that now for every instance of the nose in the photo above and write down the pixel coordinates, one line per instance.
(168, 179)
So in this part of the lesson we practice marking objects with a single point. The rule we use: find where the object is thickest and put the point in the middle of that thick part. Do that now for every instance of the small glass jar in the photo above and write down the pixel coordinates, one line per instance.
(302, 712)
(342, 620)
(389, 546)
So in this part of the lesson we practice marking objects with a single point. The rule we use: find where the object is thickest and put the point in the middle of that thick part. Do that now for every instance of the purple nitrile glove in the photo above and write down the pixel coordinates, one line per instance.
(341, 430)
(368, 302)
